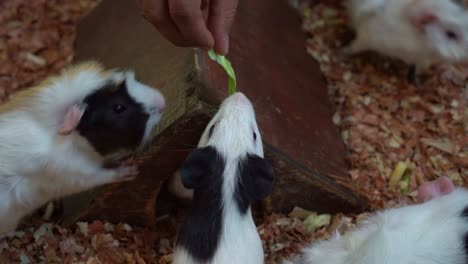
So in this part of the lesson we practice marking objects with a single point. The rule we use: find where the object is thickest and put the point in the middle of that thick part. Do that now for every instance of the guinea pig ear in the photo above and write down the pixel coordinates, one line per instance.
(70, 120)
(257, 177)
(197, 168)
(421, 19)
(128, 78)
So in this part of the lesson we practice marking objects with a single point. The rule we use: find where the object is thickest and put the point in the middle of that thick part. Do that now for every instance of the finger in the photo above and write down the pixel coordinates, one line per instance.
(204, 4)
(222, 14)
(205, 7)
(157, 13)
(188, 17)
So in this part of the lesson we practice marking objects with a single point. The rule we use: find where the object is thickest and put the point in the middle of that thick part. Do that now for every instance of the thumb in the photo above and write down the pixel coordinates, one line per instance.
(221, 17)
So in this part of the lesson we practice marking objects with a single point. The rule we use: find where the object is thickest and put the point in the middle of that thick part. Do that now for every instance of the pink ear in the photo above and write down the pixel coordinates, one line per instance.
(420, 20)
(71, 120)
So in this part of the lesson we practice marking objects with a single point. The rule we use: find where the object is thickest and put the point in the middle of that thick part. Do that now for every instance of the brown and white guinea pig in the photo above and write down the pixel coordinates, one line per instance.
(419, 32)
(433, 232)
(227, 172)
(55, 138)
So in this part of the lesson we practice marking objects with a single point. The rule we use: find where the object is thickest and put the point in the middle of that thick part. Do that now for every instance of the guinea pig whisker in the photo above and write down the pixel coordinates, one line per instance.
(220, 97)
(260, 116)
(211, 109)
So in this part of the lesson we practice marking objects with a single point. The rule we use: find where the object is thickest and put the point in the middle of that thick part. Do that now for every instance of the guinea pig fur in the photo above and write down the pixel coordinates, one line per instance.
(55, 138)
(419, 32)
(227, 172)
(434, 232)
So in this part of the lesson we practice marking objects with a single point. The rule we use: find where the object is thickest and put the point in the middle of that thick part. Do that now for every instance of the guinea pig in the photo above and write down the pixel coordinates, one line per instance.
(433, 232)
(227, 173)
(56, 138)
(418, 32)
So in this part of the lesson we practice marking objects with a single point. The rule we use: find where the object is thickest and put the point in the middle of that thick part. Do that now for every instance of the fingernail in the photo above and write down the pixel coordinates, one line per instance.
(224, 45)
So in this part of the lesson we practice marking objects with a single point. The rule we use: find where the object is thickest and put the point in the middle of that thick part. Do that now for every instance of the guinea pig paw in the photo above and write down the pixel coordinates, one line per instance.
(126, 173)
(439, 187)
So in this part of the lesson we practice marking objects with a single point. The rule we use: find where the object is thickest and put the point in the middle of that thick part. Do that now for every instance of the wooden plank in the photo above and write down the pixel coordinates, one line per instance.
(285, 83)
(294, 112)
(297, 185)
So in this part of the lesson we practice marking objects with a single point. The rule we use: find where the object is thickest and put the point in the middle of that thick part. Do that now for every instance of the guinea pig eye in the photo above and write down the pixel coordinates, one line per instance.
(118, 108)
(255, 136)
(451, 35)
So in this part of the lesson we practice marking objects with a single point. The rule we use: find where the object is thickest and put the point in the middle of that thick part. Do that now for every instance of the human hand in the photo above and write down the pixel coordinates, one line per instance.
(192, 23)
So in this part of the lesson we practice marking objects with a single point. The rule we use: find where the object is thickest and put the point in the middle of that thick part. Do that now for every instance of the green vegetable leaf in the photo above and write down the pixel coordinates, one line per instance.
(316, 221)
(226, 64)
(406, 181)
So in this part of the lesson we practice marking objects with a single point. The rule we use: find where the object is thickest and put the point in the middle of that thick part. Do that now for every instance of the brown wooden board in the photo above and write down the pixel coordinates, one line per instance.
(273, 70)
(285, 84)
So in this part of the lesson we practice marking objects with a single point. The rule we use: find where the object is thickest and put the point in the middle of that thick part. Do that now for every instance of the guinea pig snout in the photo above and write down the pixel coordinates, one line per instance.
(240, 98)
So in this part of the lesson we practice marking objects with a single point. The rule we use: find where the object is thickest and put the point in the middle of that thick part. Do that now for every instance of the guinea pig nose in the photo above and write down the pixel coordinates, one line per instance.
(240, 97)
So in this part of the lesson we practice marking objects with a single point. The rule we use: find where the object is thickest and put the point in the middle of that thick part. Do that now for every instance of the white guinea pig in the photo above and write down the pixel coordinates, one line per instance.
(419, 32)
(434, 232)
(227, 173)
(56, 137)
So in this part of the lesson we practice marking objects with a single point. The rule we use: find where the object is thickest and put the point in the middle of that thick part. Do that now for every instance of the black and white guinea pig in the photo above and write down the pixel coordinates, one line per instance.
(55, 138)
(227, 173)
(434, 232)
(419, 32)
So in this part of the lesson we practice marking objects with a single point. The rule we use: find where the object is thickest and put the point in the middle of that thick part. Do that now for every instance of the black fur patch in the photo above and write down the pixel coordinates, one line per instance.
(254, 181)
(113, 120)
(465, 246)
(412, 76)
(201, 231)
(464, 214)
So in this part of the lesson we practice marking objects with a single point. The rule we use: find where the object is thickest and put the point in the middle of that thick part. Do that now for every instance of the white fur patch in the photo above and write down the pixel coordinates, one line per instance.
(430, 233)
(151, 99)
